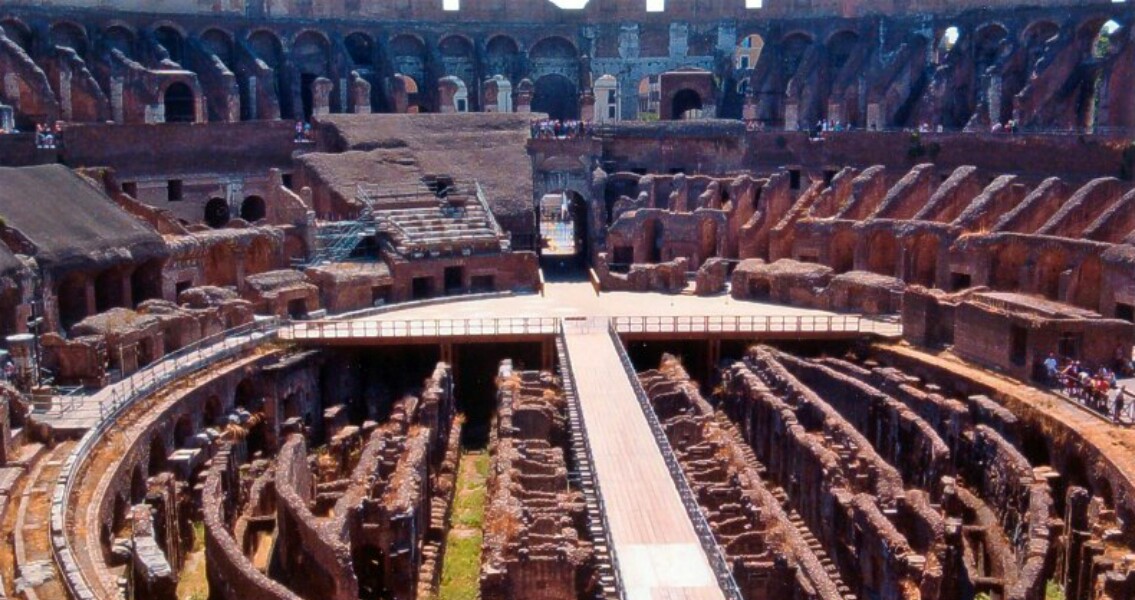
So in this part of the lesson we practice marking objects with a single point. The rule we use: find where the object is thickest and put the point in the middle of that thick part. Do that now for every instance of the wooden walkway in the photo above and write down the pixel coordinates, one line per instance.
(659, 555)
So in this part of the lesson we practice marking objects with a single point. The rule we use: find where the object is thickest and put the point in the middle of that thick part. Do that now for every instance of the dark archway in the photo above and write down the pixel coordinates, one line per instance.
(556, 95)
(253, 209)
(564, 225)
(684, 101)
(179, 104)
(924, 261)
(159, 457)
(217, 213)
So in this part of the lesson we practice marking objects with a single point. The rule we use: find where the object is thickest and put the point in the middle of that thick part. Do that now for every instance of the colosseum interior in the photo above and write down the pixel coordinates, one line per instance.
(567, 300)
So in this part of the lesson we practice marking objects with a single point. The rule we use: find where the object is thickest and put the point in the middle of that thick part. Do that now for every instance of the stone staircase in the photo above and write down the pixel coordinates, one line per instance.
(793, 517)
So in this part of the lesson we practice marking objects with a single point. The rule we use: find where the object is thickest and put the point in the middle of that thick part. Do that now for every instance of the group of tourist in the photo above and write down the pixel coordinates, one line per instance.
(547, 129)
(303, 132)
(1009, 127)
(1089, 386)
(48, 137)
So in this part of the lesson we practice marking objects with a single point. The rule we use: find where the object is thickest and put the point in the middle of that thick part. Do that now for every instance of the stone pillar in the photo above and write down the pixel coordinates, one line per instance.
(321, 96)
(360, 94)
(587, 105)
(524, 92)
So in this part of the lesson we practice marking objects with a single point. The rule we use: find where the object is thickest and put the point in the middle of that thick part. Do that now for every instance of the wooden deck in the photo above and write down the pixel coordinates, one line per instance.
(658, 552)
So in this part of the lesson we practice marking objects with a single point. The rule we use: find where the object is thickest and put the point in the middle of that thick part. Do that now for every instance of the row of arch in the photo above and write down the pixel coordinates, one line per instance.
(218, 213)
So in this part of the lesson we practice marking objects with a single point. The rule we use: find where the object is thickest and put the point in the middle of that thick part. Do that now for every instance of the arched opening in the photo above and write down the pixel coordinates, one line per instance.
(842, 257)
(1085, 291)
(748, 52)
(1104, 45)
(212, 414)
(17, 32)
(69, 35)
(987, 46)
(360, 48)
(182, 431)
(179, 103)
(840, 47)
(556, 95)
(649, 98)
(217, 213)
(501, 55)
(172, 41)
(564, 218)
(312, 60)
(253, 209)
(137, 486)
(1005, 268)
(108, 290)
(946, 42)
(219, 44)
(686, 105)
(146, 282)
(882, 252)
(457, 61)
(72, 298)
(159, 456)
(654, 236)
(408, 55)
(923, 261)
(119, 38)
(266, 47)
(1049, 268)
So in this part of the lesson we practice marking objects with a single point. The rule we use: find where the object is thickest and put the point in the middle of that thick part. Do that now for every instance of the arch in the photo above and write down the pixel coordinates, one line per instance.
(1039, 32)
(69, 35)
(842, 257)
(882, 252)
(119, 37)
(501, 57)
(454, 45)
(556, 95)
(17, 31)
(219, 43)
(686, 104)
(1005, 268)
(948, 38)
(217, 213)
(159, 455)
(923, 261)
(987, 44)
(360, 47)
(173, 40)
(212, 412)
(253, 209)
(748, 52)
(311, 53)
(146, 282)
(408, 55)
(840, 45)
(183, 431)
(1085, 287)
(266, 46)
(180, 103)
(792, 49)
(1049, 266)
(553, 47)
(1102, 45)
(246, 396)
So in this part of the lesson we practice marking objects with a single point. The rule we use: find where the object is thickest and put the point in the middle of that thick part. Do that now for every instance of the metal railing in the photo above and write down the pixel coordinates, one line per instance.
(740, 324)
(419, 328)
(118, 398)
(575, 408)
(713, 552)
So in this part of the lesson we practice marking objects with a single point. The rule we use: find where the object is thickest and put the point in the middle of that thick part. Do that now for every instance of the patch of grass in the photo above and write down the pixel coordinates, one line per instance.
(1053, 591)
(461, 575)
(461, 569)
(198, 536)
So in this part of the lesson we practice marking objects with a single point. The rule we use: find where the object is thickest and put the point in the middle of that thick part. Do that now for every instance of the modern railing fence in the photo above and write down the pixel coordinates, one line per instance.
(420, 328)
(577, 421)
(740, 324)
(120, 396)
(716, 556)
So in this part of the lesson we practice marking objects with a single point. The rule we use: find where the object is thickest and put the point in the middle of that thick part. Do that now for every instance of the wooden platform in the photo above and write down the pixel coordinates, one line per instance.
(658, 552)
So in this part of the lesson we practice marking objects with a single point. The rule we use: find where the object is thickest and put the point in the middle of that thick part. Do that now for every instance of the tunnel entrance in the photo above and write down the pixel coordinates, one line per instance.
(474, 374)
(563, 220)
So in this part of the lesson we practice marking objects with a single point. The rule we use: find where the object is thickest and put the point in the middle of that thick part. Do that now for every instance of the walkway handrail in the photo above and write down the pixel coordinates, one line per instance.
(716, 556)
(740, 324)
(123, 395)
(569, 375)
(411, 328)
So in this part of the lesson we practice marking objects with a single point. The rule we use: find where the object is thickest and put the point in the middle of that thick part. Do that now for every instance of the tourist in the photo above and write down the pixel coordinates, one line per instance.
(1051, 368)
